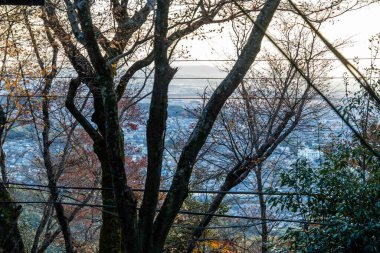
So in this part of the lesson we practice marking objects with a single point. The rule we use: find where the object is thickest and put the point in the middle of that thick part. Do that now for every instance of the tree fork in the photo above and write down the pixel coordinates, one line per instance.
(179, 188)
(156, 126)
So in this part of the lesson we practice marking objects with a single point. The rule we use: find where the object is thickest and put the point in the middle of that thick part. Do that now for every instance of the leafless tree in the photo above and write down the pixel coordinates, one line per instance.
(270, 103)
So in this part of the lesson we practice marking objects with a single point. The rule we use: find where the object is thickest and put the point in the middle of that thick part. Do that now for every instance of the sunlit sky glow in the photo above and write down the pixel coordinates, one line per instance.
(358, 26)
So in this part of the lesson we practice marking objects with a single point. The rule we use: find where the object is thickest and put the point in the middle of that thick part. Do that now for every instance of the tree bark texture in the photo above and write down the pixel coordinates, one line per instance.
(10, 237)
(156, 126)
(110, 240)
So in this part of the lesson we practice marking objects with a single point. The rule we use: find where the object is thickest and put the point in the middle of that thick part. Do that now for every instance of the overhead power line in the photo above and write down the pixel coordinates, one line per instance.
(255, 218)
(279, 59)
(56, 202)
(217, 227)
(184, 212)
(257, 60)
(171, 97)
(166, 190)
(188, 78)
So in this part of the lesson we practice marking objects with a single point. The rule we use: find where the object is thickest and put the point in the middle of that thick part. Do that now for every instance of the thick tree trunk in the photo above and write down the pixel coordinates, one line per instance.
(125, 199)
(110, 234)
(156, 127)
(10, 238)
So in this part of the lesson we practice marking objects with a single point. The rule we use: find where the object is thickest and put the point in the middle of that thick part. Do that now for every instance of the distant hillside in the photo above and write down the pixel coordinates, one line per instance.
(198, 71)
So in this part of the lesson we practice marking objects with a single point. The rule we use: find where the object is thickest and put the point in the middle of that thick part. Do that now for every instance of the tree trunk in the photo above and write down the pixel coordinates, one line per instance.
(50, 169)
(126, 202)
(234, 177)
(156, 127)
(263, 211)
(110, 234)
(4, 174)
(45, 217)
(125, 199)
(3, 121)
(179, 187)
(10, 238)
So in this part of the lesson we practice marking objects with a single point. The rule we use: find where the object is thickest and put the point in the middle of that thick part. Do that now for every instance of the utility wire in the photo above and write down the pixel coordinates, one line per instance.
(188, 78)
(56, 202)
(217, 227)
(258, 60)
(161, 190)
(178, 97)
(267, 60)
(184, 212)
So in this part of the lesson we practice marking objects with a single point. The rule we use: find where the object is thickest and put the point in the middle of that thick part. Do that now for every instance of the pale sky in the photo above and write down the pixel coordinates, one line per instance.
(357, 25)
